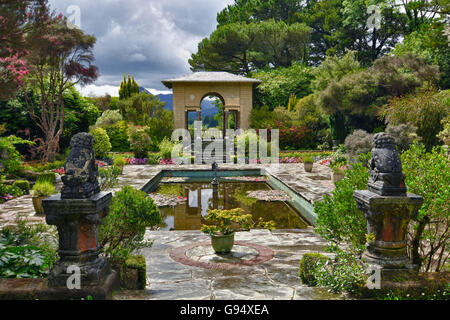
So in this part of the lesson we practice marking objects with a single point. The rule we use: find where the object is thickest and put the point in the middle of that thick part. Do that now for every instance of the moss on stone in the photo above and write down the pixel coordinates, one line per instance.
(136, 272)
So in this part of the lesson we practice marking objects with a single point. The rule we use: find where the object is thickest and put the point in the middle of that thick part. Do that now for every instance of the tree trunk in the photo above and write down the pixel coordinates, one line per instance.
(416, 241)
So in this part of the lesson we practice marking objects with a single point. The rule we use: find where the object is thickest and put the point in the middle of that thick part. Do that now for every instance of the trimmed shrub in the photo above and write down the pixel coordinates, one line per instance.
(108, 117)
(165, 148)
(338, 219)
(358, 142)
(118, 136)
(308, 263)
(101, 144)
(140, 143)
(122, 231)
(403, 134)
(346, 273)
(24, 185)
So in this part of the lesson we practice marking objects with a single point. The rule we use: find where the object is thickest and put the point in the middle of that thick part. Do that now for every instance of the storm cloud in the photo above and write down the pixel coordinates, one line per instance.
(150, 39)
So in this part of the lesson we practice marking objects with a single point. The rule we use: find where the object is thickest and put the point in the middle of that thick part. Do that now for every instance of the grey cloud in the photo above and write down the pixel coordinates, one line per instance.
(152, 40)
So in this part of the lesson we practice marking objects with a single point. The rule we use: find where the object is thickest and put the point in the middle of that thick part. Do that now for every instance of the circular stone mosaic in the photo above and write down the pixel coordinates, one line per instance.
(202, 255)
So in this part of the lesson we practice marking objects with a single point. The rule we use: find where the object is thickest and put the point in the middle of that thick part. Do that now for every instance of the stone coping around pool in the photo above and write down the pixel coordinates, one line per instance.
(305, 188)
(311, 186)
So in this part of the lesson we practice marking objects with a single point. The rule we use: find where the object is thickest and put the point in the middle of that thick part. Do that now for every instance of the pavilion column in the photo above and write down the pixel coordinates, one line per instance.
(238, 119)
(199, 116)
(225, 121)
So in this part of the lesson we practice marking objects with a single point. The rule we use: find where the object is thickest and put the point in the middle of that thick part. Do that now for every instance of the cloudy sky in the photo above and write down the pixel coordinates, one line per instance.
(150, 39)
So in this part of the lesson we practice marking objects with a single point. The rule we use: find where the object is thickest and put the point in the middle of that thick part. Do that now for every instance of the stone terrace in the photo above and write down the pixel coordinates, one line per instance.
(276, 278)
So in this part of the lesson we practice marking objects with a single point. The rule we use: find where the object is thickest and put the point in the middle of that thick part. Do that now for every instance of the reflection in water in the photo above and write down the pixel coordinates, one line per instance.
(190, 215)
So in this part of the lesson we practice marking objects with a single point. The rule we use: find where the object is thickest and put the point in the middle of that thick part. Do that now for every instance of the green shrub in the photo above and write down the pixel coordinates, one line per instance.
(428, 175)
(345, 274)
(140, 142)
(358, 142)
(49, 177)
(308, 263)
(424, 109)
(308, 159)
(165, 148)
(101, 144)
(122, 231)
(338, 218)
(24, 185)
(9, 190)
(403, 134)
(10, 158)
(118, 136)
(108, 117)
(154, 158)
(119, 161)
(108, 177)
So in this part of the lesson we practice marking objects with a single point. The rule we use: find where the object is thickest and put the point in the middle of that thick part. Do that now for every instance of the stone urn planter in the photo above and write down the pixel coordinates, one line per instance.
(308, 166)
(224, 224)
(308, 163)
(337, 176)
(41, 190)
(222, 243)
(37, 204)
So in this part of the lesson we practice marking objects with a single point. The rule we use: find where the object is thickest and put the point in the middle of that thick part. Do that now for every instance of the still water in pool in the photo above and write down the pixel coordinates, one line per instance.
(200, 198)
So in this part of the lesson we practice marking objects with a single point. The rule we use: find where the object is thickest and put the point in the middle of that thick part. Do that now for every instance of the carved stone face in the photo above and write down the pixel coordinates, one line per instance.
(80, 180)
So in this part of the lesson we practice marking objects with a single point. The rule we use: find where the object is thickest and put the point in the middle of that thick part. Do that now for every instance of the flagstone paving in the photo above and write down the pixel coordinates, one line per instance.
(276, 278)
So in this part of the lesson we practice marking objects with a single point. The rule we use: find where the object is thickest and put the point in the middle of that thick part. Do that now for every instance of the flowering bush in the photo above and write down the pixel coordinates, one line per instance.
(140, 142)
(101, 164)
(295, 138)
(136, 160)
(165, 162)
(60, 171)
(291, 160)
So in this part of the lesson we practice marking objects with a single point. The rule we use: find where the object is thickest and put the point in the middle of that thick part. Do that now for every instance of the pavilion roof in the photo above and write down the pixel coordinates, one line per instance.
(210, 76)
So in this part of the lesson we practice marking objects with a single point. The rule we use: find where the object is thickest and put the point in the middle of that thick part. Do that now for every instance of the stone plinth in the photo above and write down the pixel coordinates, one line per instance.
(77, 221)
(387, 219)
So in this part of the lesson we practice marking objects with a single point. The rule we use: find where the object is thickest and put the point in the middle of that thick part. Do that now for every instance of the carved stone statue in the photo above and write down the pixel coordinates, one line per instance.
(386, 177)
(80, 180)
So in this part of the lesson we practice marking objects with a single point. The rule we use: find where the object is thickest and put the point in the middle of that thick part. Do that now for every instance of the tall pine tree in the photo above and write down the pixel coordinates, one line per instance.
(128, 88)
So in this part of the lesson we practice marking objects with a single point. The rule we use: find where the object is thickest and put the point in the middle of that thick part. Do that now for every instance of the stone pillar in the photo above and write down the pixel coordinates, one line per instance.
(77, 221)
(387, 207)
(77, 213)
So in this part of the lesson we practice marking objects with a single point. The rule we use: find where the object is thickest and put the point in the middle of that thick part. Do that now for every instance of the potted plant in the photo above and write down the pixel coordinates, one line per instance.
(308, 163)
(338, 166)
(40, 191)
(225, 223)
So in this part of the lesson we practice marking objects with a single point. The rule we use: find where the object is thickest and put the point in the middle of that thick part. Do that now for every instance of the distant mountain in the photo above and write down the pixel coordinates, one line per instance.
(208, 108)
